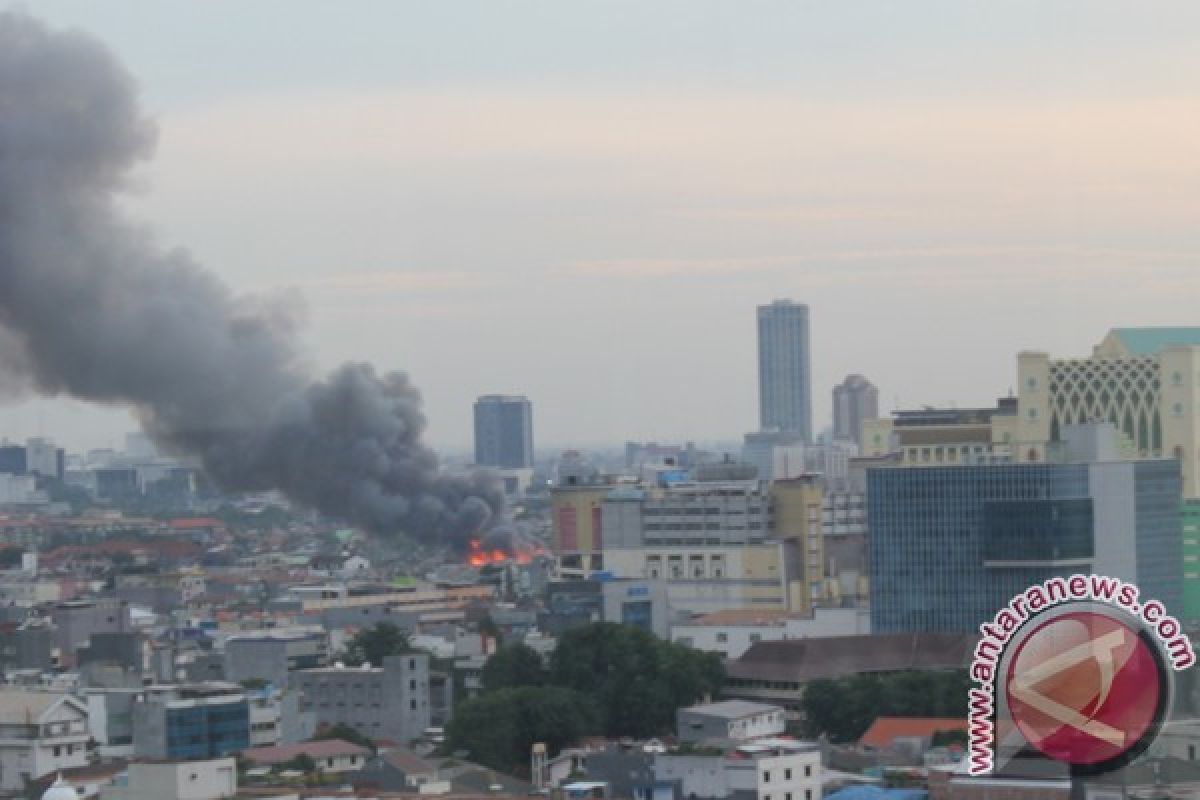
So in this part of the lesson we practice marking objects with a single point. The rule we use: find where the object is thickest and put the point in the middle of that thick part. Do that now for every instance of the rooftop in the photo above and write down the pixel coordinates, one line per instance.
(885, 730)
(732, 709)
(326, 748)
(1149, 341)
(803, 660)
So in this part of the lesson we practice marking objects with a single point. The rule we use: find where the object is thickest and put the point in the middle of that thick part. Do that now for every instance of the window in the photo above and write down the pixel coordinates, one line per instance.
(787, 774)
(766, 776)
(808, 772)
(722, 637)
(412, 704)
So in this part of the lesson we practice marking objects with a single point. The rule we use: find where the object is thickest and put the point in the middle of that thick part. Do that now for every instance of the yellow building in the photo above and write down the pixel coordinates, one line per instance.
(1145, 381)
(576, 531)
(796, 511)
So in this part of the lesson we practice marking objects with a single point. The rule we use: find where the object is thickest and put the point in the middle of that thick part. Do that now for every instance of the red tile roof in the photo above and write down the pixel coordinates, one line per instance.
(326, 748)
(885, 730)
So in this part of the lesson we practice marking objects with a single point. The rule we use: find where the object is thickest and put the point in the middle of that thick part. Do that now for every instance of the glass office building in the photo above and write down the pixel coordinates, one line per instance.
(949, 546)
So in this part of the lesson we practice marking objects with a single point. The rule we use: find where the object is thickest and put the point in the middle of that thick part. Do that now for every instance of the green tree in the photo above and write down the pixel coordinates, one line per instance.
(637, 680)
(511, 666)
(301, 763)
(10, 557)
(347, 734)
(843, 709)
(372, 645)
(498, 729)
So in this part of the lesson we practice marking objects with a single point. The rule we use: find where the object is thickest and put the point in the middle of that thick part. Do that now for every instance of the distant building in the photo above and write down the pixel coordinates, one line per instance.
(382, 702)
(503, 431)
(855, 399)
(951, 545)
(784, 368)
(43, 733)
(719, 545)
(44, 458)
(945, 435)
(13, 459)
(191, 721)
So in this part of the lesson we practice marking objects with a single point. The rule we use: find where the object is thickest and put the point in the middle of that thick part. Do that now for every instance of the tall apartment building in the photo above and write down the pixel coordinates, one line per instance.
(503, 431)
(855, 399)
(384, 702)
(191, 721)
(949, 546)
(1145, 381)
(784, 368)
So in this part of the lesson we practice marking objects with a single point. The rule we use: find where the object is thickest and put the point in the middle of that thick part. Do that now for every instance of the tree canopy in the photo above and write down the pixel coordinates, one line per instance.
(637, 680)
(844, 708)
(513, 666)
(372, 645)
(498, 728)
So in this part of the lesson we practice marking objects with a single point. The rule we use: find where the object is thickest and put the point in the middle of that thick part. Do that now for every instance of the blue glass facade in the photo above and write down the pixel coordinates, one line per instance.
(950, 545)
(207, 731)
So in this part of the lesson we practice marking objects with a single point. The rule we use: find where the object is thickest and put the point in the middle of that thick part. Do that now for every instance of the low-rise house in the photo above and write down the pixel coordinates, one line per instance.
(329, 755)
(40, 733)
(214, 779)
(767, 769)
(731, 720)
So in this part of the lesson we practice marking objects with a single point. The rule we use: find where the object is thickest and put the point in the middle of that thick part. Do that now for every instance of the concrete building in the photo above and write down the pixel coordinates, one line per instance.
(576, 533)
(855, 399)
(951, 545)
(729, 720)
(271, 655)
(944, 435)
(1190, 521)
(40, 733)
(777, 672)
(732, 633)
(784, 368)
(503, 431)
(391, 701)
(76, 620)
(718, 545)
(191, 721)
(1145, 381)
(766, 769)
(628, 601)
(212, 779)
(844, 546)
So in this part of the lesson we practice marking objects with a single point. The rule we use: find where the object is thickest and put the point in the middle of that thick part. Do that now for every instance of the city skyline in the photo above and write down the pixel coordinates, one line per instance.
(770, 161)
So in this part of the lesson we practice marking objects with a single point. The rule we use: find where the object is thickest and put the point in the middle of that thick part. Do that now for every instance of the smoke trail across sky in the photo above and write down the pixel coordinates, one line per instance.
(90, 306)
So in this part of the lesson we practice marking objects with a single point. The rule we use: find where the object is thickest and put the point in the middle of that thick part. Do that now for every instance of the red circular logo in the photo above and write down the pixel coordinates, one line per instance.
(1085, 688)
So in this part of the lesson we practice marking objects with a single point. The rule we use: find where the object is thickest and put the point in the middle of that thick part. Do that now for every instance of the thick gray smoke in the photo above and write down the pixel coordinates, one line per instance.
(91, 307)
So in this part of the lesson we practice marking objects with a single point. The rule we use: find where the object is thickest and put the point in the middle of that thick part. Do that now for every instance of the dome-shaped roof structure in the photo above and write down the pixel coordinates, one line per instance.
(60, 790)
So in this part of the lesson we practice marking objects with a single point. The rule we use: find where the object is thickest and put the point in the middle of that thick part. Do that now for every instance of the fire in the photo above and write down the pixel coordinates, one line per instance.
(479, 556)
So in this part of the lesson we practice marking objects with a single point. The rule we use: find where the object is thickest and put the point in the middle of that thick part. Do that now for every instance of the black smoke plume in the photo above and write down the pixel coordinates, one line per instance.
(91, 307)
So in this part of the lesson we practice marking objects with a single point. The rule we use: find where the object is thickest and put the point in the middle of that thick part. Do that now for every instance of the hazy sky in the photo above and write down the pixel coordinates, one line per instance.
(584, 201)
